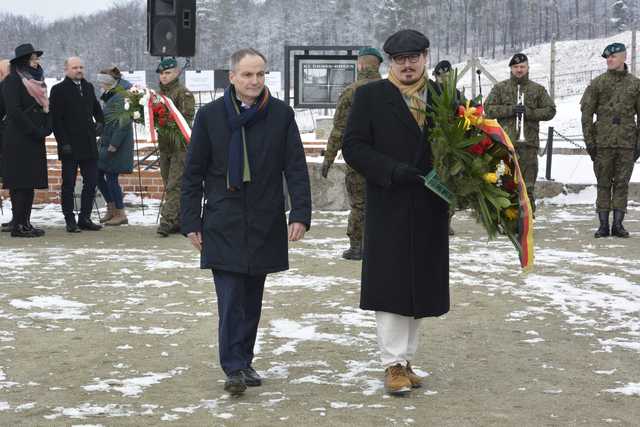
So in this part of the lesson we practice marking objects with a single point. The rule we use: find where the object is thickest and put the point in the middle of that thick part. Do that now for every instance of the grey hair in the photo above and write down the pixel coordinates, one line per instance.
(239, 55)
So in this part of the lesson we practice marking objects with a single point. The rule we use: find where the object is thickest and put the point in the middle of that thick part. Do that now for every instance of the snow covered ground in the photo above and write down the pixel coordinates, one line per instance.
(119, 328)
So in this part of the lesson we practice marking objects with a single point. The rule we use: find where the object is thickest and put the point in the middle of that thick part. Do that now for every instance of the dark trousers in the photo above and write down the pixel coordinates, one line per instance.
(21, 203)
(110, 188)
(89, 172)
(239, 307)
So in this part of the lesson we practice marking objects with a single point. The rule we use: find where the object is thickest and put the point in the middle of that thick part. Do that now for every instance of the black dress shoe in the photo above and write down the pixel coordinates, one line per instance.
(87, 224)
(20, 230)
(235, 383)
(72, 227)
(39, 232)
(7, 227)
(251, 377)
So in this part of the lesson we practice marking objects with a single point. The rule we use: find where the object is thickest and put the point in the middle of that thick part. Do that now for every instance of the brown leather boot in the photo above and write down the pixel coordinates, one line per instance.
(396, 381)
(119, 218)
(416, 380)
(110, 208)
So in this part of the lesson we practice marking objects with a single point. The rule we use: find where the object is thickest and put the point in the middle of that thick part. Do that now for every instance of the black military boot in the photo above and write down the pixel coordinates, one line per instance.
(617, 229)
(603, 230)
(354, 253)
(164, 229)
(72, 225)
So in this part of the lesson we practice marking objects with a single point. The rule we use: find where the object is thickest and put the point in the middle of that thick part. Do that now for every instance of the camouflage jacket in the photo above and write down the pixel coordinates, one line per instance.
(615, 98)
(185, 103)
(334, 144)
(538, 107)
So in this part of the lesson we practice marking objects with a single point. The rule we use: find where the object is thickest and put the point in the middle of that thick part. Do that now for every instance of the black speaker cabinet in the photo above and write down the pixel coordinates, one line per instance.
(171, 27)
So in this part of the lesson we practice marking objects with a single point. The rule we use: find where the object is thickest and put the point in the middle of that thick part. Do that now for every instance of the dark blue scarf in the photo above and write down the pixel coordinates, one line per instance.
(238, 121)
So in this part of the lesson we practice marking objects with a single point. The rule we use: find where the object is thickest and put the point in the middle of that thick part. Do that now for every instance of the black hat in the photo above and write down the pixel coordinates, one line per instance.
(25, 50)
(518, 58)
(405, 41)
(442, 67)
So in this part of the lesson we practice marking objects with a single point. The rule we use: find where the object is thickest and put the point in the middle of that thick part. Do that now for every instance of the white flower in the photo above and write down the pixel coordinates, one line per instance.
(127, 104)
(136, 115)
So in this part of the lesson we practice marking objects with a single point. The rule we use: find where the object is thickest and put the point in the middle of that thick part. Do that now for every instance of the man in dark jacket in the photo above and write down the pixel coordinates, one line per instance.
(77, 120)
(405, 268)
(241, 146)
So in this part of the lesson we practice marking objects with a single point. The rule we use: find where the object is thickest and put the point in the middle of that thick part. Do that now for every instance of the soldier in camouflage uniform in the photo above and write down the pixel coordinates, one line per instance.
(612, 141)
(172, 149)
(369, 60)
(538, 106)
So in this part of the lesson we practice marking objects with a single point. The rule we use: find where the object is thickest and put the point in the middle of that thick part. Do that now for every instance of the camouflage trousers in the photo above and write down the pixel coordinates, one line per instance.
(613, 168)
(356, 191)
(528, 159)
(171, 168)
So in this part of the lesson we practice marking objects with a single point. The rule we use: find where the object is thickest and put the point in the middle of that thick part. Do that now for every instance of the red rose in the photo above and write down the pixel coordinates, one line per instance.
(476, 149)
(486, 142)
(508, 184)
(460, 111)
(479, 110)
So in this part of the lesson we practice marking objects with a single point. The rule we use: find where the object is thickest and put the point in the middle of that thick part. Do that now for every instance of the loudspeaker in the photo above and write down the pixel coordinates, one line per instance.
(171, 27)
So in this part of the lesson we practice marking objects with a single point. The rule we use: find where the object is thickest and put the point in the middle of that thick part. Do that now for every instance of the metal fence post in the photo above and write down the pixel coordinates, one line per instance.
(549, 151)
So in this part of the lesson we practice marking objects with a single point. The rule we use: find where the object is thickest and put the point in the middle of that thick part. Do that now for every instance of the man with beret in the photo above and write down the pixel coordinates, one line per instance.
(405, 267)
(502, 104)
(173, 148)
(612, 141)
(369, 60)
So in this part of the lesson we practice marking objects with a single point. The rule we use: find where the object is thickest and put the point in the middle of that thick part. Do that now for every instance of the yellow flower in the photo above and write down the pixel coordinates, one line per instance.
(491, 178)
(511, 213)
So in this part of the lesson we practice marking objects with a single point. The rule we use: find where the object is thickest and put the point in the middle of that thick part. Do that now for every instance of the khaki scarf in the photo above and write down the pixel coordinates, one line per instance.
(413, 92)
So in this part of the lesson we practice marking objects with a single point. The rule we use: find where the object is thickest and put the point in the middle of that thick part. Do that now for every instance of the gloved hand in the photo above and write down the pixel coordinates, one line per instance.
(66, 150)
(519, 109)
(42, 133)
(326, 165)
(592, 150)
(99, 128)
(405, 174)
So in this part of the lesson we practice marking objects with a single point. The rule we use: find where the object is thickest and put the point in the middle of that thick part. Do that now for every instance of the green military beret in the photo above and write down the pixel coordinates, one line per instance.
(166, 64)
(371, 51)
(613, 48)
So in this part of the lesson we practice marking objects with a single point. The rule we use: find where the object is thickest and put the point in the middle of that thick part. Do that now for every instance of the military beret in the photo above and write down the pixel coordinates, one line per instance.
(613, 48)
(372, 51)
(518, 58)
(405, 41)
(442, 67)
(166, 64)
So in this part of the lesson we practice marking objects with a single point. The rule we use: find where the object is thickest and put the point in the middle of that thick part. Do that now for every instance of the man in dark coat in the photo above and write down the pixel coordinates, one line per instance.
(241, 146)
(405, 269)
(4, 72)
(77, 120)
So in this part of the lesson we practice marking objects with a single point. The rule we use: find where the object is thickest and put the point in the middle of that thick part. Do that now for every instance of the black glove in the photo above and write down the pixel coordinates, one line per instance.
(66, 150)
(325, 168)
(519, 109)
(42, 133)
(405, 174)
(592, 150)
(99, 128)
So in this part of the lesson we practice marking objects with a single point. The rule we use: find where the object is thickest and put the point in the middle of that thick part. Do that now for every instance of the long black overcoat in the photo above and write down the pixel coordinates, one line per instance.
(405, 269)
(24, 156)
(245, 231)
(75, 117)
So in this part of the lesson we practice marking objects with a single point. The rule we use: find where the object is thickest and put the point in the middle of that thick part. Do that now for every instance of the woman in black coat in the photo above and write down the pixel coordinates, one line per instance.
(24, 161)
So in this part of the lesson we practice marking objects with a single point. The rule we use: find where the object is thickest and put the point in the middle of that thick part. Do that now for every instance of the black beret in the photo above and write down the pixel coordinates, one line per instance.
(405, 41)
(613, 48)
(442, 67)
(518, 58)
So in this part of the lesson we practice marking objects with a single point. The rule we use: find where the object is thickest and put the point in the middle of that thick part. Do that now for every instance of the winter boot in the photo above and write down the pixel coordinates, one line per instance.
(354, 253)
(603, 230)
(617, 229)
(416, 380)
(164, 229)
(119, 218)
(110, 208)
(396, 381)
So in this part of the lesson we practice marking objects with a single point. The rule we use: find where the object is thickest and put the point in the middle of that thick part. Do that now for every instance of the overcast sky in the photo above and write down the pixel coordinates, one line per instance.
(54, 9)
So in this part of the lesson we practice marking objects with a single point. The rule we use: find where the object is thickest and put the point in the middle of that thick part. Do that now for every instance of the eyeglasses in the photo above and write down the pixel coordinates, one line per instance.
(401, 59)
